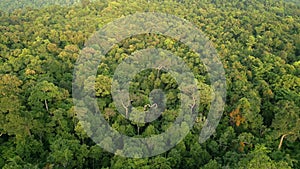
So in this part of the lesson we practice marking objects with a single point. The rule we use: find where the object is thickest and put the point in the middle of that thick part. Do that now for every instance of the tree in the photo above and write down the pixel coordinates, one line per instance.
(10, 103)
(286, 124)
(103, 86)
(212, 164)
(258, 159)
(44, 93)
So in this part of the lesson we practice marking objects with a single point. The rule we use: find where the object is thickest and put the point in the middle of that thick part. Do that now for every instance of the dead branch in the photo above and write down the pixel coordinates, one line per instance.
(126, 109)
(150, 106)
(193, 105)
(281, 141)
(46, 105)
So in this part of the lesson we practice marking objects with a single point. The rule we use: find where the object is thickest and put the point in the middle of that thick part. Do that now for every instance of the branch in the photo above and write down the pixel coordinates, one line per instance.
(158, 70)
(153, 105)
(281, 140)
(150, 106)
(46, 104)
(194, 104)
(126, 110)
(246, 143)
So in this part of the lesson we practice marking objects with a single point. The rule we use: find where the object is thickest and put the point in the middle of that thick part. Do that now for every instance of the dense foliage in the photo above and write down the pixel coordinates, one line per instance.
(258, 43)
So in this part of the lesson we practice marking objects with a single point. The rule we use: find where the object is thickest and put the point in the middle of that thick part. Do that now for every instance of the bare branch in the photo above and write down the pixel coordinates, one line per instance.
(153, 105)
(150, 106)
(126, 109)
(159, 69)
(193, 105)
(46, 105)
(281, 140)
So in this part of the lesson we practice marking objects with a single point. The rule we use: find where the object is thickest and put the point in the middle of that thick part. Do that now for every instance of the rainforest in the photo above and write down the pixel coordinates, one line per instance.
(257, 42)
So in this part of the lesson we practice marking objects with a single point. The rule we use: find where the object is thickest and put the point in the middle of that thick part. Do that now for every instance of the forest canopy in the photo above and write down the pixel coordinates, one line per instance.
(257, 42)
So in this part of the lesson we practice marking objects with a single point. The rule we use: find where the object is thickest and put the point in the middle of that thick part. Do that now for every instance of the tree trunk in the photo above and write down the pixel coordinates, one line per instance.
(126, 110)
(46, 105)
(281, 141)
(193, 105)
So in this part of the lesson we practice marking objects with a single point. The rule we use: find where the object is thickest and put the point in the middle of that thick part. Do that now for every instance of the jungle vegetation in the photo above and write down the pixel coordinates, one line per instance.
(257, 41)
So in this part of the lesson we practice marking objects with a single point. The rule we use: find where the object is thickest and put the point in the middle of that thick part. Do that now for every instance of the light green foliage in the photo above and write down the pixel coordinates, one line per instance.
(258, 159)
